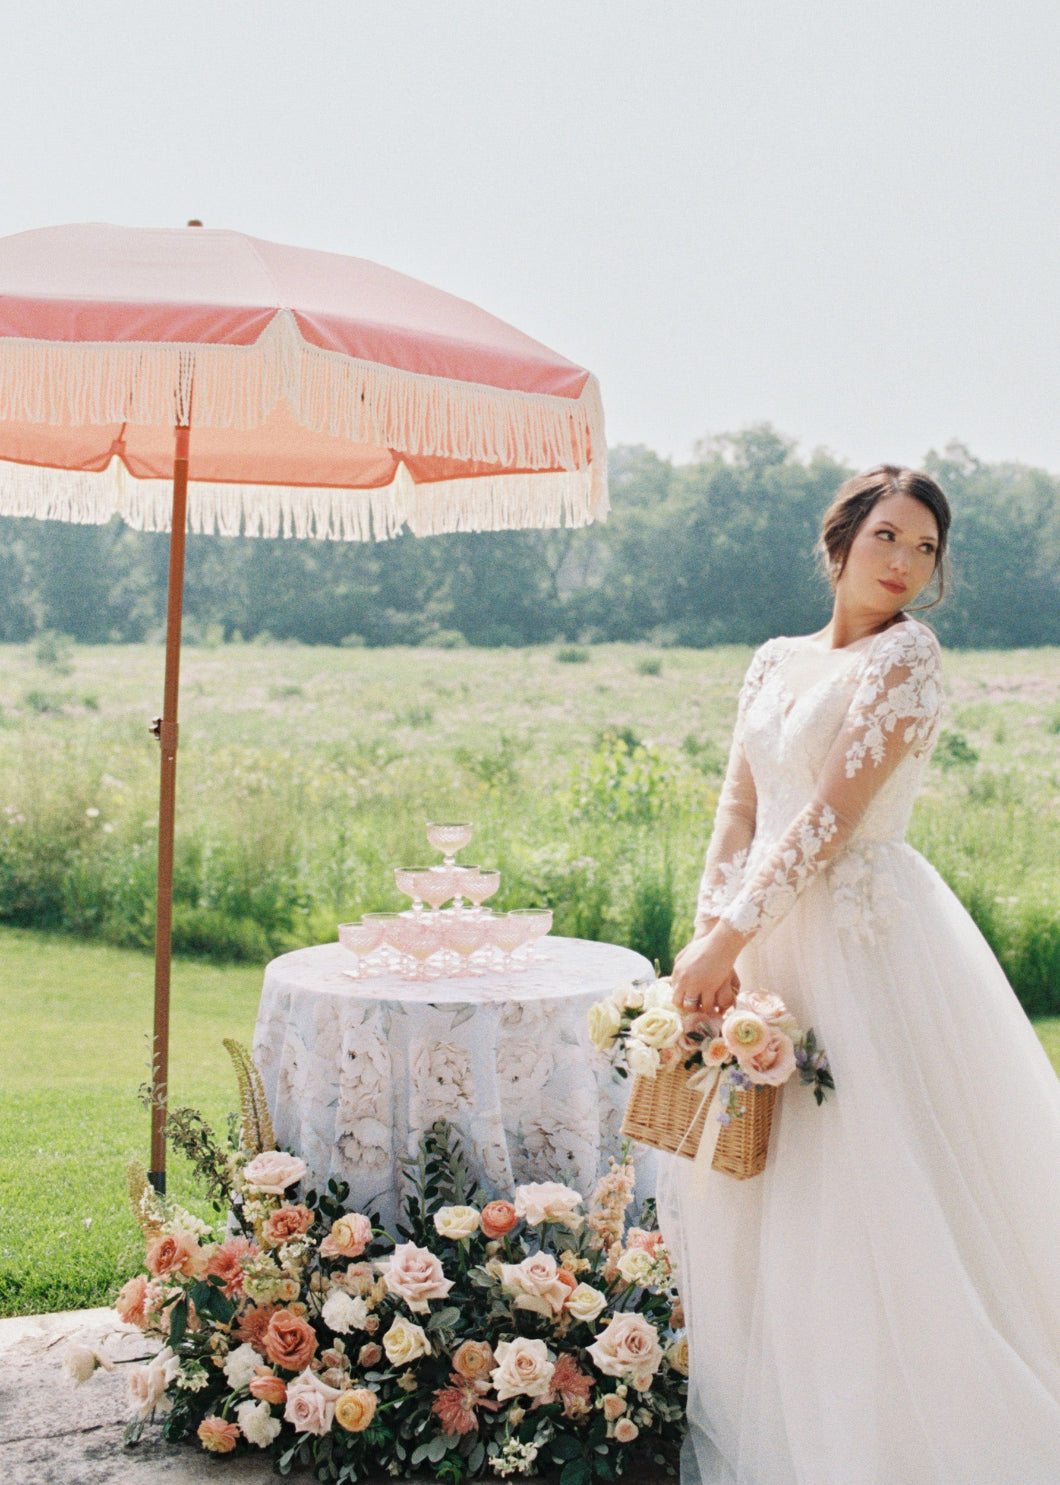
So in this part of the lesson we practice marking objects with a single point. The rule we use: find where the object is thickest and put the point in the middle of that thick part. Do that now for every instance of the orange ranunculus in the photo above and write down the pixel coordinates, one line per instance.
(290, 1341)
(474, 1360)
(217, 1435)
(498, 1218)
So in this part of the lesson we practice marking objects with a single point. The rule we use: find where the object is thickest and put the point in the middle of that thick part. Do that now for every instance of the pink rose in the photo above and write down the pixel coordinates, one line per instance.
(524, 1366)
(626, 1430)
(348, 1238)
(369, 1355)
(311, 1404)
(536, 1278)
(416, 1276)
(147, 1384)
(217, 1435)
(630, 1344)
(273, 1171)
(614, 1406)
(773, 1062)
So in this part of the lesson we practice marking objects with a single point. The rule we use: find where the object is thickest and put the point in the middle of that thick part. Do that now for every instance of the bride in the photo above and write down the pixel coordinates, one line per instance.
(882, 1305)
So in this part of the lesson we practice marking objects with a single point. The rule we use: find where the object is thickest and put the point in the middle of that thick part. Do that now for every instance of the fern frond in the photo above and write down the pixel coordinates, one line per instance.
(256, 1131)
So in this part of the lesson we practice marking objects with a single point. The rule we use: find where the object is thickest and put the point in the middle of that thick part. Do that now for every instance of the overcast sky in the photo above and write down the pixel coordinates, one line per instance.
(836, 215)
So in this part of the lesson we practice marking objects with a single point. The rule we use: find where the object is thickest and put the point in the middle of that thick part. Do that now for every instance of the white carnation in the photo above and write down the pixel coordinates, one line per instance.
(240, 1366)
(257, 1423)
(344, 1312)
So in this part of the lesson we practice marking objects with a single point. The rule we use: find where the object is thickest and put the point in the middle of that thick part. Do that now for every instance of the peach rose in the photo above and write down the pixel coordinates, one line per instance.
(536, 1278)
(147, 1384)
(355, 1409)
(217, 1435)
(290, 1341)
(473, 1360)
(288, 1222)
(348, 1238)
(369, 1355)
(498, 1218)
(677, 1356)
(628, 1344)
(523, 1368)
(175, 1253)
(311, 1404)
(626, 1430)
(273, 1171)
(226, 1261)
(614, 1406)
(267, 1387)
(132, 1304)
(772, 1062)
(716, 1052)
(416, 1276)
(772, 1010)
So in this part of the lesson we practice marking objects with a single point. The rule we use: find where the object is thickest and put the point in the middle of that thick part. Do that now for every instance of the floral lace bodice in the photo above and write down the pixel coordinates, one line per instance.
(827, 757)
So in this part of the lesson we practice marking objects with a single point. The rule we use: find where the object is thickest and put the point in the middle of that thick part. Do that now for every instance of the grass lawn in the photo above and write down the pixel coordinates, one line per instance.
(76, 1020)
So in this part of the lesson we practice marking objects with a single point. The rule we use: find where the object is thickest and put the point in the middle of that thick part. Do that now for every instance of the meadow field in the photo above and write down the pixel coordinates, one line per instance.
(306, 774)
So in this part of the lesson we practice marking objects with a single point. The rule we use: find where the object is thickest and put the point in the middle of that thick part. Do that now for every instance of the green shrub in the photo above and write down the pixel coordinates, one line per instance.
(572, 654)
(953, 750)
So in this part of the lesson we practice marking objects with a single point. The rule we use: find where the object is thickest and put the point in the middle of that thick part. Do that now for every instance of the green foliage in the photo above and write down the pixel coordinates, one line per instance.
(572, 654)
(619, 781)
(953, 749)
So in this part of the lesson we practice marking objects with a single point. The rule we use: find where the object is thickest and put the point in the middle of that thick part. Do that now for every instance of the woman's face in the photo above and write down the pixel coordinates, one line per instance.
(892, 558)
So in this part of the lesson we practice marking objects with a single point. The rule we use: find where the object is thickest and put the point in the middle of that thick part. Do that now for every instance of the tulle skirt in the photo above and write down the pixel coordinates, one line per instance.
(882, 1305)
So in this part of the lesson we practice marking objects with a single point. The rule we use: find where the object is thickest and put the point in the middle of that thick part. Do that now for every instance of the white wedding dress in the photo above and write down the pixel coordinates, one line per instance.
(882, 1305)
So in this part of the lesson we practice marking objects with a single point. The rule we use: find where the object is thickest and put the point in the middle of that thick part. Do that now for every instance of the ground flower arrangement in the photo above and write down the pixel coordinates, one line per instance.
(484, 1338)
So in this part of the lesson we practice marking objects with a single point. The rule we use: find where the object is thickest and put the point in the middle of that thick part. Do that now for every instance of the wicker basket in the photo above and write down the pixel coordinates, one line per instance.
(668, 1115)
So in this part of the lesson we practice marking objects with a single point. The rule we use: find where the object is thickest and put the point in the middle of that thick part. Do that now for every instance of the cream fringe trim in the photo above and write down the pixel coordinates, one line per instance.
(487, 503)
(65, 383)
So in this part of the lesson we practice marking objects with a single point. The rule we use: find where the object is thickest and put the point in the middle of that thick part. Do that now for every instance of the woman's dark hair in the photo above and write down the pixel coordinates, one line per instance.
(854, 502)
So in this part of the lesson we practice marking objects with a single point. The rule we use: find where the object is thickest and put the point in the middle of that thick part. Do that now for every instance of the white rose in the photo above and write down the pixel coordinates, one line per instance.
(240, 1366)
(256, 1423)
(343, 1313)
(147, 1384)
(636, 1266)
(524, 1368)
(659, 993)
(456, 1222)
(404, 1342)
(273, 1171)
(79, 1362)
(548, 1201)
(640, 1058)
(659, 1027)
(585, 1302)
(628, 997)
(605, 1018)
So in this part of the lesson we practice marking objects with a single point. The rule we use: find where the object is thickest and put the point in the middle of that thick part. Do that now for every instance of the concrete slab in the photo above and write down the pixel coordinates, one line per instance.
(53, 1433)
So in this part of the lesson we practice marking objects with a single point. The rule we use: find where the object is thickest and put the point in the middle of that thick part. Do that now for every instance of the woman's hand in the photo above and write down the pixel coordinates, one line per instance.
(703, 979)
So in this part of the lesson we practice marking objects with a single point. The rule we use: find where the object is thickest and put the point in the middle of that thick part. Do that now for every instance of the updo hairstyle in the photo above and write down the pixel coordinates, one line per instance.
(854, 503)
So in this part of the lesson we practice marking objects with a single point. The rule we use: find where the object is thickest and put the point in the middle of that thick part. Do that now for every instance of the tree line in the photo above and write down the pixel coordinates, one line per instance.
(719, 550)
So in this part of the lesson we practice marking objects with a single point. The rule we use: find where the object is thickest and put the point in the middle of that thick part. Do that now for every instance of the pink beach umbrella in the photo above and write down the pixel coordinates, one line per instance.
(206, 380)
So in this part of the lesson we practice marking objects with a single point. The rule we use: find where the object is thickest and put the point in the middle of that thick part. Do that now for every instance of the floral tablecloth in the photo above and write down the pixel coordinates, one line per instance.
(355, 1070)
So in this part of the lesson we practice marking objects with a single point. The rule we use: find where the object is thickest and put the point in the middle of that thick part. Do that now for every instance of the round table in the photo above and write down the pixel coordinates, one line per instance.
(355, 1070)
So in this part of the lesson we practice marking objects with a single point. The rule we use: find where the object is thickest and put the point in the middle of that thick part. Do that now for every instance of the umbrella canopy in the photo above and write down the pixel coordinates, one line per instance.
(282, 391)
(329, 396)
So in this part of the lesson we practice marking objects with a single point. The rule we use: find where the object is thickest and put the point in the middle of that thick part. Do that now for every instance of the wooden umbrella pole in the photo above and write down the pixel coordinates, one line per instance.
(165, 729)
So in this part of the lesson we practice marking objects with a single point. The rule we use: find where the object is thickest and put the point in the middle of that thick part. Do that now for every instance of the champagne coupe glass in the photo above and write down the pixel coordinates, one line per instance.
(482, 885)
(435, 886)
(419, 938)
(390, 956)
(360, 939)
(467, 934)
(448, 839)
(508, 933)
(538, 922)
(461, 877)
(406, 879)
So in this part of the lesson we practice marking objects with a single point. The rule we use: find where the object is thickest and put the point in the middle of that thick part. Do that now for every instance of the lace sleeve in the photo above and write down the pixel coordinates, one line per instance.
(734, 818)
(894, 712)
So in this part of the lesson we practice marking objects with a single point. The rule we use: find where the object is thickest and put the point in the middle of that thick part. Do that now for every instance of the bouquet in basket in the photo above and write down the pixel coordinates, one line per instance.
(735, 1069)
